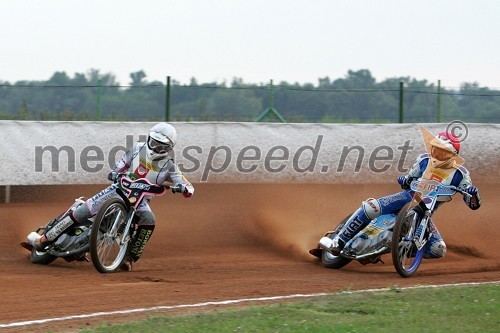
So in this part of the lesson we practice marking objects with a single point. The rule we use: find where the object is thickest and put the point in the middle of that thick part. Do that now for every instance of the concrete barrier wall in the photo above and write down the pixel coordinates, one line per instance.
(83, 152)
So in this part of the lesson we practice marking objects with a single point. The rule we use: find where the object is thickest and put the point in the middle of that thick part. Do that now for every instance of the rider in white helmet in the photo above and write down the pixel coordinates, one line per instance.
(439, 165)
(151, 160)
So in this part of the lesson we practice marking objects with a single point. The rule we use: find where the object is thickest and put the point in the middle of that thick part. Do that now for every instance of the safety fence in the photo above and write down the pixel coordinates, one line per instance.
(387, 102)
(35, 152)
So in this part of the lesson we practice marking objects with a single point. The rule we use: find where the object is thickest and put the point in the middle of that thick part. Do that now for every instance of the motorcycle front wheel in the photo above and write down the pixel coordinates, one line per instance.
(405, 256)
(108, 240)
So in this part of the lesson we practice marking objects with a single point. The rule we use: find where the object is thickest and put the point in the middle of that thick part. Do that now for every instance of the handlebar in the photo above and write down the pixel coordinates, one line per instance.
(456, 189)
(175, 189)
(116, 177)
(435, 184)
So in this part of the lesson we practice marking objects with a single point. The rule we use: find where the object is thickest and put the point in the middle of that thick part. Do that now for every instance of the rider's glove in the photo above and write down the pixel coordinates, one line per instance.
(473, 200)
(182, 188)
(472, 190)
(112, 176)
(403, 181)
(179, 188)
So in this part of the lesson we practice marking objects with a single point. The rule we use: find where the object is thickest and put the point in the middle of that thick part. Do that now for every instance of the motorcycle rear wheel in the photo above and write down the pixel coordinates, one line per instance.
(330, 260)
(405, 256)
(106, 249)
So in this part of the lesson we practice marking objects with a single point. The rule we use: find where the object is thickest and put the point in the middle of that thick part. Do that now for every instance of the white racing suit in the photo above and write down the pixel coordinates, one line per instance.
(372, 208)
(134, 164)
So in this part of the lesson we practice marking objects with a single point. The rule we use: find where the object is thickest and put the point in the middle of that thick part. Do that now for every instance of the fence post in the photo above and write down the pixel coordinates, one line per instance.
(98, 107)
(7, 194)
(439, 102)
(167, 100)
(271, 108)
(401, 99)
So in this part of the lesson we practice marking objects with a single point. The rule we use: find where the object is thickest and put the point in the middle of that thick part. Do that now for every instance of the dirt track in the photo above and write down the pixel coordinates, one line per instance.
(227, 242)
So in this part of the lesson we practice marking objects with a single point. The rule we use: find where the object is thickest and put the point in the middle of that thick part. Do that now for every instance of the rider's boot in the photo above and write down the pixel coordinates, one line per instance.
(435, 247)
(356, 223)
(141, 238)
(41, 242)
(333, 246)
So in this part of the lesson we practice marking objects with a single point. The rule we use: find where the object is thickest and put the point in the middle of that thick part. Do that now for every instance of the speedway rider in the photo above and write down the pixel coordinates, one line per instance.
(440, 165)
(151, 160)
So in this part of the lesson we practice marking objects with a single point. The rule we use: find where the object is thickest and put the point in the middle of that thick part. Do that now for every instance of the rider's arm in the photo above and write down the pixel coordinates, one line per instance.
(175, 176)
(418, 168)
(473, 200)
(124, 162)
(121, 166)
(415, 172)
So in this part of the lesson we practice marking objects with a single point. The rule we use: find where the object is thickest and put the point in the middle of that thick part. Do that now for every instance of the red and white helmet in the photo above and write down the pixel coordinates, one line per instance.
(162, 138)
(444, 147)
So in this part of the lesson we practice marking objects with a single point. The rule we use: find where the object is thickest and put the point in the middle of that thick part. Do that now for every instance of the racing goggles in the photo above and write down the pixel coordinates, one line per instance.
(441, 154)
(159, 147)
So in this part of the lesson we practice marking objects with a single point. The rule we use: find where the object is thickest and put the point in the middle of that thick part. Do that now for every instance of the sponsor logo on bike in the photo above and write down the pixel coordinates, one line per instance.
(140, 186)
(425, 187)
(372, 230)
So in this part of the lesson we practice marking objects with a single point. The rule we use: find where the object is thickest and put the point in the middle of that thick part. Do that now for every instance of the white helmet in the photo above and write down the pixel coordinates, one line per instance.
(162, 138)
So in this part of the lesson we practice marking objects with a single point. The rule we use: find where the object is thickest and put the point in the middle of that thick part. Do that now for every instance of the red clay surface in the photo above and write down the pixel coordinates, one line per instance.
(227, 242)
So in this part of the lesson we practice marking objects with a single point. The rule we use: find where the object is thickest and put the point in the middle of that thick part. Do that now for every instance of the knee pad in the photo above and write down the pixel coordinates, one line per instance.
(436, 249)
(146, 218)
(371, 208)
(82, 213)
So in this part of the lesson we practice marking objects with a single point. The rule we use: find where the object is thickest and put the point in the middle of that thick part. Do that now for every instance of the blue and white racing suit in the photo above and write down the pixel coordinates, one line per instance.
(372, 208)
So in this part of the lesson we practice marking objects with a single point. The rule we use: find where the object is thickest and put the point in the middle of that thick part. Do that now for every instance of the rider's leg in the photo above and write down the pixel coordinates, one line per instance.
(370, 209)
(143, 233)
(436, 247)
(81, 213)
(50, 235)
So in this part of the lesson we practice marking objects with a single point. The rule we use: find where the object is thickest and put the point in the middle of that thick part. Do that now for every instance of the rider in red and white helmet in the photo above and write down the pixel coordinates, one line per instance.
(151, 160)
(439, 164)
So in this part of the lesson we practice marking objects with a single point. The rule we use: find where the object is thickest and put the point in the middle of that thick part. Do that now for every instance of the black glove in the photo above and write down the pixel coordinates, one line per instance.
(403, 181)
(179, 188)
(112, 176)
(472, 190)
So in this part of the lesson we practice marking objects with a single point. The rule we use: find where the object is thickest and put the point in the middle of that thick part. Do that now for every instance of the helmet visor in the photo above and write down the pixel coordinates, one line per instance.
(441, 154)
(159, 147)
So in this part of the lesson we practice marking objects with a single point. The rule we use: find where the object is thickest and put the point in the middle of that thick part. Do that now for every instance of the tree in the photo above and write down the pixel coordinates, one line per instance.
(137, 79)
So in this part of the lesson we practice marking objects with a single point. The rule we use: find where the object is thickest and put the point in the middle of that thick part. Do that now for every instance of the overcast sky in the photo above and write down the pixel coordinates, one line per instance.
(256, 40)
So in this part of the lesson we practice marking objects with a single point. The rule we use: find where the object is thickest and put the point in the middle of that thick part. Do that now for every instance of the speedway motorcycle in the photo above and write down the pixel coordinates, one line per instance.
(107, 236)
(405, 234)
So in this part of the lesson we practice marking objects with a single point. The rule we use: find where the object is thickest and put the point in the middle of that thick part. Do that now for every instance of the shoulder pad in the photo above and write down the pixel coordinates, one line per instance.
(463, 170)
(422, 156)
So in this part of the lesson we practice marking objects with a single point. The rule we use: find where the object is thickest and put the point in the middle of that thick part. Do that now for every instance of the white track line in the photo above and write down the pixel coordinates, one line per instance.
(233, 301)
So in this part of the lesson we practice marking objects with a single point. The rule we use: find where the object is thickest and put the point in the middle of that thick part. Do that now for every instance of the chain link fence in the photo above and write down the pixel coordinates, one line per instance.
(264, 102)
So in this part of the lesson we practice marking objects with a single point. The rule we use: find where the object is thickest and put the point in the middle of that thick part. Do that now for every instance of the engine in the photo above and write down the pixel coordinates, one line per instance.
(73, 240)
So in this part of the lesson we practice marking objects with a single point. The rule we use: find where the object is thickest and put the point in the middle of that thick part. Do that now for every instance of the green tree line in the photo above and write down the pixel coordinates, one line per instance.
(355, 98)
